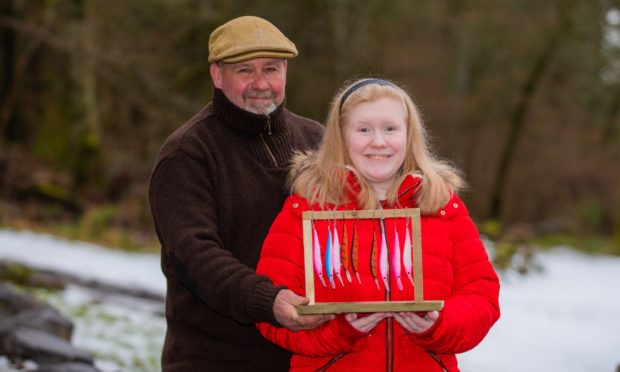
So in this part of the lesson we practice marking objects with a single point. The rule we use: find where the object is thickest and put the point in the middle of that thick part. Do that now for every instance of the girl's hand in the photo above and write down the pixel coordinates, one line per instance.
(415, 323)
(367, 323)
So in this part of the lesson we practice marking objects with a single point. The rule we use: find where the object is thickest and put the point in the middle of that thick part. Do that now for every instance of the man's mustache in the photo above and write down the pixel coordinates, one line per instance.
(259, 94)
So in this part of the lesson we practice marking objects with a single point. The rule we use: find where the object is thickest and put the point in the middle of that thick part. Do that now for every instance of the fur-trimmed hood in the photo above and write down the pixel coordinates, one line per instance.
(299, 162)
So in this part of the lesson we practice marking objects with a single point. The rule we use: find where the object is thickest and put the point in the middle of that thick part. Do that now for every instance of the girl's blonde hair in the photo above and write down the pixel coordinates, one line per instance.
(322, 177)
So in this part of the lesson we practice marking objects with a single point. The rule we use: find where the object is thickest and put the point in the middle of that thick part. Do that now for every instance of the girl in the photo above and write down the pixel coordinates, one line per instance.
(375, 156)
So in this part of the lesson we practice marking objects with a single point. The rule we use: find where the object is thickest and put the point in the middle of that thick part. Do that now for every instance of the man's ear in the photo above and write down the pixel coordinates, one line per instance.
(216, 75)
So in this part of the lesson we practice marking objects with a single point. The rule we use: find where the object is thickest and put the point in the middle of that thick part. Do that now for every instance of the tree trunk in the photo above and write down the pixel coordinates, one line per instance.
(87, 167)
(7, 63)
(517, 122)
(610, 126)
(17, 61)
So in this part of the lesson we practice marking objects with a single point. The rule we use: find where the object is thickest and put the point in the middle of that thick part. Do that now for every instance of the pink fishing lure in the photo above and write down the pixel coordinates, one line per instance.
(396, 259)
(384, 265)
(336, 254)
(407, 254)
(316, 253)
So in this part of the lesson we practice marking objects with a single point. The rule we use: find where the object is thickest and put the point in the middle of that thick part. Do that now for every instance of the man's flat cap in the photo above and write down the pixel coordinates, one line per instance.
(246, 38)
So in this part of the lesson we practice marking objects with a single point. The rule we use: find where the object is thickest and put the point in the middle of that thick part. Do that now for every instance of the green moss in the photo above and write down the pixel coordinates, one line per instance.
(17, 273)
(591, 244)
(491, 228)
(503, 254)
(54, 192)
(97, 220)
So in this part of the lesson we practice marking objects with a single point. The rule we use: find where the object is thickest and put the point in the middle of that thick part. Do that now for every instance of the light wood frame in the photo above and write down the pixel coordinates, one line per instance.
(418, 303)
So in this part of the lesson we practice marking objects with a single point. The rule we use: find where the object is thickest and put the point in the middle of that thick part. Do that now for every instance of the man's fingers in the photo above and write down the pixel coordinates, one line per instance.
(292, 298)
(286, 314)
(303, 301)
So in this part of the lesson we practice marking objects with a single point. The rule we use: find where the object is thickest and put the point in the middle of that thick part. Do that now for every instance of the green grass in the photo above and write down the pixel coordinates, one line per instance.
(590, 244)
(109, 236)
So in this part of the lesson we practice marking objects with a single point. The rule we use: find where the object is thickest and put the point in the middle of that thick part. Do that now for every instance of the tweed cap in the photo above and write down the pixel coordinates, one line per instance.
(246, 38)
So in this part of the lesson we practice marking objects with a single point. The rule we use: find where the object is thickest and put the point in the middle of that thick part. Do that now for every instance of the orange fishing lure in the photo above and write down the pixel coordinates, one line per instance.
(344, 252)
(374, 257)
(355, 249)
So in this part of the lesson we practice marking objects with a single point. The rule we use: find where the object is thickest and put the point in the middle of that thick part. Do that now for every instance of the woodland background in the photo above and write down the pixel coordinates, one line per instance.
(523, 96)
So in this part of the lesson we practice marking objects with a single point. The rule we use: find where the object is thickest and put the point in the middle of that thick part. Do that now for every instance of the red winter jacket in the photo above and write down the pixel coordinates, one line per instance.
(456, 270)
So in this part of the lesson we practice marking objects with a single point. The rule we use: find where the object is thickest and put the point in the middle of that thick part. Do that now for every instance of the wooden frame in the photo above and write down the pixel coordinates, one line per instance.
(418, 303)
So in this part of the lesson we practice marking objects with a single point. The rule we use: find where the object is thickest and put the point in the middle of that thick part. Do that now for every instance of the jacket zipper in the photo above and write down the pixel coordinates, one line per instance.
(389, 344)
(268, 126)
(389, 334)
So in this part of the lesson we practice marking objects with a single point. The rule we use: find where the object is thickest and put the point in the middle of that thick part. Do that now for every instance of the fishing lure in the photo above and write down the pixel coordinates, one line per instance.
(384, 263)
(407, 254)
(344, 252)
(396, 266)
(329, 259)
(316, 252)
(336, 254)
(355, 249)
(374, 258)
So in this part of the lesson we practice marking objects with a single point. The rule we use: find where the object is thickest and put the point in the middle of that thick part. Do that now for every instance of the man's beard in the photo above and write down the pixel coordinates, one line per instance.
(265, 108)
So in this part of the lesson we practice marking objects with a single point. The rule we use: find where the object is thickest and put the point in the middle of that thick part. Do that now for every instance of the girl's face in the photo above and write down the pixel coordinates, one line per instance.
(376, 138)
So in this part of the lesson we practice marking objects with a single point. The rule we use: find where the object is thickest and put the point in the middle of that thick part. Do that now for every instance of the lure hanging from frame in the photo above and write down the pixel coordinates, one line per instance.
(341, 255)
(344, 249)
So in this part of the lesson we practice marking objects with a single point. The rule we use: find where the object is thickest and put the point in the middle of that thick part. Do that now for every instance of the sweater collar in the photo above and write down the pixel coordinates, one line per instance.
(246, 121)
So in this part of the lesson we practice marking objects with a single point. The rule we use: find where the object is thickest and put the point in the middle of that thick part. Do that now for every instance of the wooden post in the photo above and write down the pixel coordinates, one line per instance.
(416, 240)
(308, 263)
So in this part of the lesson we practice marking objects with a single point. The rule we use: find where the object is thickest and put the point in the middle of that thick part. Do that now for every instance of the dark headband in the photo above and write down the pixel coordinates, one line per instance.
(359, 85)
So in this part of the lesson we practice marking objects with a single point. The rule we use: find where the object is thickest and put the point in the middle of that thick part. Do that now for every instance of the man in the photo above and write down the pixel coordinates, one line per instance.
(217, 185)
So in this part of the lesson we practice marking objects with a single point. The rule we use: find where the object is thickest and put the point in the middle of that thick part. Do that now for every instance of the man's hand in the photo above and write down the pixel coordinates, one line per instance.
(286, 314)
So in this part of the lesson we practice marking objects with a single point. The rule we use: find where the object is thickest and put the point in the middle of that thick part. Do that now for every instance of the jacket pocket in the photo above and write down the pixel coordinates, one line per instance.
(330, 363)
(437, 359)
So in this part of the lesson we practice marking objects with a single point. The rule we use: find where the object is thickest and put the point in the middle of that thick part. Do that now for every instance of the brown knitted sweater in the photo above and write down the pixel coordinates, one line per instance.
(217, 185)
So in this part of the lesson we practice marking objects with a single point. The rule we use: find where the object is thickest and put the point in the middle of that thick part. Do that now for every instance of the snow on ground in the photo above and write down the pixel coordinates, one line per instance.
(84, 260)
(122, 333)
(564, 318)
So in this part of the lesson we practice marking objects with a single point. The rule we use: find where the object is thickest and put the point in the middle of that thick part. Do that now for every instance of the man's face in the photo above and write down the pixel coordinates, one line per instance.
(256, 85)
